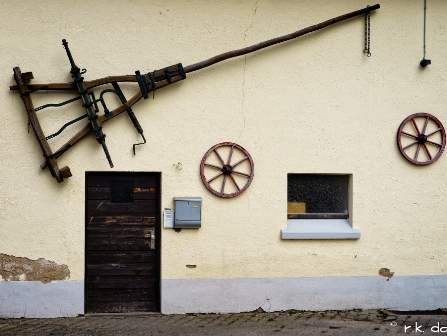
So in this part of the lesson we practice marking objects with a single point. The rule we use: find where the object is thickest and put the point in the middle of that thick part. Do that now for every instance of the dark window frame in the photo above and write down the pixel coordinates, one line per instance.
(326, 196)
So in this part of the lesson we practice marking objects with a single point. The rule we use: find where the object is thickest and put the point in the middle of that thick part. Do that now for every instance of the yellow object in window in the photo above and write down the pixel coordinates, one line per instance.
(296, 207)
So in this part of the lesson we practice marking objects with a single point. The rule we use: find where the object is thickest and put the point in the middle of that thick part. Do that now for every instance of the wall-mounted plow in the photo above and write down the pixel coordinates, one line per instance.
(147, 83)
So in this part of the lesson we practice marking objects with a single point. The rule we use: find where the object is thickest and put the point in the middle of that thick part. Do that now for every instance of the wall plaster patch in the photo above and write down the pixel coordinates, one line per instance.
(23, 269)
(385, 272)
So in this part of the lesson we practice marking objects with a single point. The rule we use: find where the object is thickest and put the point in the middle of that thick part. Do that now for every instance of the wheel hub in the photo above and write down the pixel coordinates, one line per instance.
(422, 138)
(227, 169)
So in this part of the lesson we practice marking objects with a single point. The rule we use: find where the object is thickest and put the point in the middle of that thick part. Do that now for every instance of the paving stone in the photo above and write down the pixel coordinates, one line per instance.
(350, 323)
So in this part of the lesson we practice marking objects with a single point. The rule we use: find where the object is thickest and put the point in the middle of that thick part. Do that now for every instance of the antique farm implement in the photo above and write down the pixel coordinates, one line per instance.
(147, 83)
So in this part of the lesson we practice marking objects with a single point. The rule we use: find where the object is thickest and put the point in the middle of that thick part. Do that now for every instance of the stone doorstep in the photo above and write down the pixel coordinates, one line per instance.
(119, 314)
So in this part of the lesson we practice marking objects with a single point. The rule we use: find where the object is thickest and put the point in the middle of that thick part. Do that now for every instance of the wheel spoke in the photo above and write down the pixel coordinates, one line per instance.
(215, 177)
(410, 145)
(234, 181)
(223, 184)
(408, 134)
(433, 132)
(428, 153)
(220, 157)
(425, 125)
(231, 154)
(417, 152)
(240, 161)
(415, 126)
(212, 166)
(239, 173)
(434, 143)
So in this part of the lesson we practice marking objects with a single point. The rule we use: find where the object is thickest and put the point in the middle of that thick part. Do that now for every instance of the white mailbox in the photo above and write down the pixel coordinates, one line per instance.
(187, 212)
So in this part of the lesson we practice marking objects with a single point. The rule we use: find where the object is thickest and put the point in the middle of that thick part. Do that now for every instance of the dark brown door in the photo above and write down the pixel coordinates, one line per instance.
(122, 242)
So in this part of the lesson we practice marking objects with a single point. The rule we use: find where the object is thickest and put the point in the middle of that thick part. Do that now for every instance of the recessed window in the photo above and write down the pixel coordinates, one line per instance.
(318, 207)
(317, 196)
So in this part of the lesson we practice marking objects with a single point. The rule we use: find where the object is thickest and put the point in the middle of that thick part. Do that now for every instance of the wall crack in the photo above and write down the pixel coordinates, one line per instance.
(245, 66)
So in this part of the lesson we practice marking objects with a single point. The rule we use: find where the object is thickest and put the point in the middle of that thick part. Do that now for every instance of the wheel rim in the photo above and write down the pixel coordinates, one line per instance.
(421, 138)
(217, 177)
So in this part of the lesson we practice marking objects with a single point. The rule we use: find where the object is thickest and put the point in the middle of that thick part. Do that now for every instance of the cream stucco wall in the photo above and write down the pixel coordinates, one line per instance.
(313, 105)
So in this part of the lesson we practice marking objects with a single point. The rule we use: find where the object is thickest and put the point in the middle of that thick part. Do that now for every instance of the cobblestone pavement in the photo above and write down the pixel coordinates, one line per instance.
(292, 322)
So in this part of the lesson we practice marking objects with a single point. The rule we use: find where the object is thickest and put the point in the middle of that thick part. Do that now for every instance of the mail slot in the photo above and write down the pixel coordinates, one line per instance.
(187, 212)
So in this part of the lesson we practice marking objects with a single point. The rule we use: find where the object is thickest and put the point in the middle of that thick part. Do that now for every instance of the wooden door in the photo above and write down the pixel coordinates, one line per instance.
(122, 241)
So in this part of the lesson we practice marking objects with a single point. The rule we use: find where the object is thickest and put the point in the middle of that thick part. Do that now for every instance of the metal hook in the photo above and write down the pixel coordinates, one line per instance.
(138, 144)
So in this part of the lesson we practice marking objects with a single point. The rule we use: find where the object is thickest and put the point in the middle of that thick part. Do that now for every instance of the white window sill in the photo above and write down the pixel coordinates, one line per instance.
(319, 229)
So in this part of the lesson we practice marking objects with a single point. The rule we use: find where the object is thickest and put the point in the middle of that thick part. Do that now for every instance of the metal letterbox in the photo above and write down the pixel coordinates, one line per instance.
(187, 212)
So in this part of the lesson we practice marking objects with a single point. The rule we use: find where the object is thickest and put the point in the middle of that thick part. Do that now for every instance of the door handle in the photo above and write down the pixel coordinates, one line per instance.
(152, 240)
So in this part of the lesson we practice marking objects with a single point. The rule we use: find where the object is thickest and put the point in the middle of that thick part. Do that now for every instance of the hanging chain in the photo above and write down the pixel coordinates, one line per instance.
(367, 49)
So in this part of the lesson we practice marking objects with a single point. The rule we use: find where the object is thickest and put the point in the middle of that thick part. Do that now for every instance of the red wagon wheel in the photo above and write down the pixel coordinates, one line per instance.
(237, 168)
(421, 138)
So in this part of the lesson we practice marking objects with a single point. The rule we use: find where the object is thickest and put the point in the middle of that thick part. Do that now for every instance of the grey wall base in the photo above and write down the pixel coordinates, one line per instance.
(34, 299)
(427, 292)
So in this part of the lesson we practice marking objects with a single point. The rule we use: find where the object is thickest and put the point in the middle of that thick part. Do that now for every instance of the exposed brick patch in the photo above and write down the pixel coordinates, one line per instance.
(24, 269)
